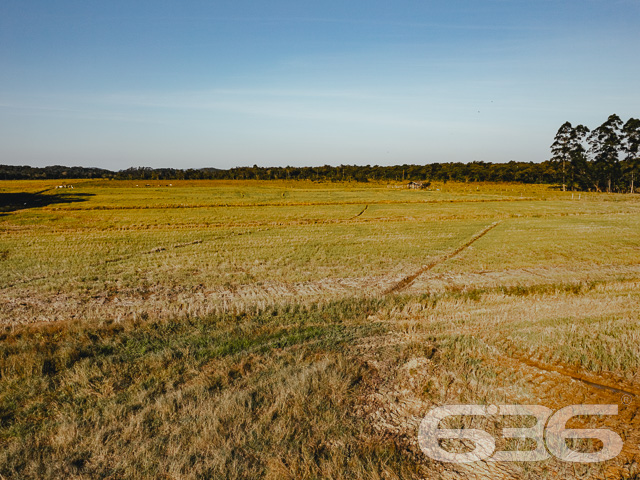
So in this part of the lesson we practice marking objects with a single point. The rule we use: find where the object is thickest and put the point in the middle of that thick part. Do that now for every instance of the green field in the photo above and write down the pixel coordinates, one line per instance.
(221, 329)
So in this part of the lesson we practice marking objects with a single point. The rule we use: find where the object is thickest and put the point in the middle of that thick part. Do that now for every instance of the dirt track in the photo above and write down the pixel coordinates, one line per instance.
(395, 408)
(409, 279)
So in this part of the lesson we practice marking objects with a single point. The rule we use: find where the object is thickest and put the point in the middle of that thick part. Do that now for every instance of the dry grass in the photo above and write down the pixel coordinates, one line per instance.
(191, 340)
(290, 242)
(327, 391)
(261, 395)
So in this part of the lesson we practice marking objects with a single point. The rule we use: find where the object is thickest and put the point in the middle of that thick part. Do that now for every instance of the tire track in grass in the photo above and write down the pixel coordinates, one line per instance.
(185, 244)
(148, 252)
(394, 409)
(409, 279)
(621, 390)
(363, 210)
(128, 257)
(556, 386)
(195, 242)
(591, 382)
(562, 382)
(553, 385)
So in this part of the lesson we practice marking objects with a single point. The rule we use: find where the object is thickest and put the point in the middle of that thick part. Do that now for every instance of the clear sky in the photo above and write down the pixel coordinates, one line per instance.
(225, 83)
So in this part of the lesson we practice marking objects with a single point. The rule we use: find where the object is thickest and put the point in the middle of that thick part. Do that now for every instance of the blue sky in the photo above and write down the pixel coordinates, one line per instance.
(226, 83)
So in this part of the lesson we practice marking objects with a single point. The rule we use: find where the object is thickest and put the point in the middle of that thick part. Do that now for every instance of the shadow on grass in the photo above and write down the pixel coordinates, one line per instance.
(10, 202)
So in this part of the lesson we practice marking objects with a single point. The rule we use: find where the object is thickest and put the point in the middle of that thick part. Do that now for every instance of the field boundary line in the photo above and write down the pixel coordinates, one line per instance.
(295, 204)
(303, 222)
(409, 279)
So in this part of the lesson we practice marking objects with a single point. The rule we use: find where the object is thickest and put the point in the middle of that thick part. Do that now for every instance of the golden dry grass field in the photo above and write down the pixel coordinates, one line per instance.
(228, 329)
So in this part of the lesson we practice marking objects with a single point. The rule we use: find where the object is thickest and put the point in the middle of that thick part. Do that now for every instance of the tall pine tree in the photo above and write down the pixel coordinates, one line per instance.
(580, 169)
(605, 142)
(631, 146)
(561, 149)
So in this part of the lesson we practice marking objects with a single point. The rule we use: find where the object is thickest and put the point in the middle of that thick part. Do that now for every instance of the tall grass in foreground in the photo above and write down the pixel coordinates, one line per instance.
(330, 390)
(269, 394)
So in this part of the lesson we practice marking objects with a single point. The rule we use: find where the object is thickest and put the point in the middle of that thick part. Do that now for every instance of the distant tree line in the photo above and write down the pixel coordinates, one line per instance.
(603, 159)
(465, 172)
(523, 172)
(55, 172)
